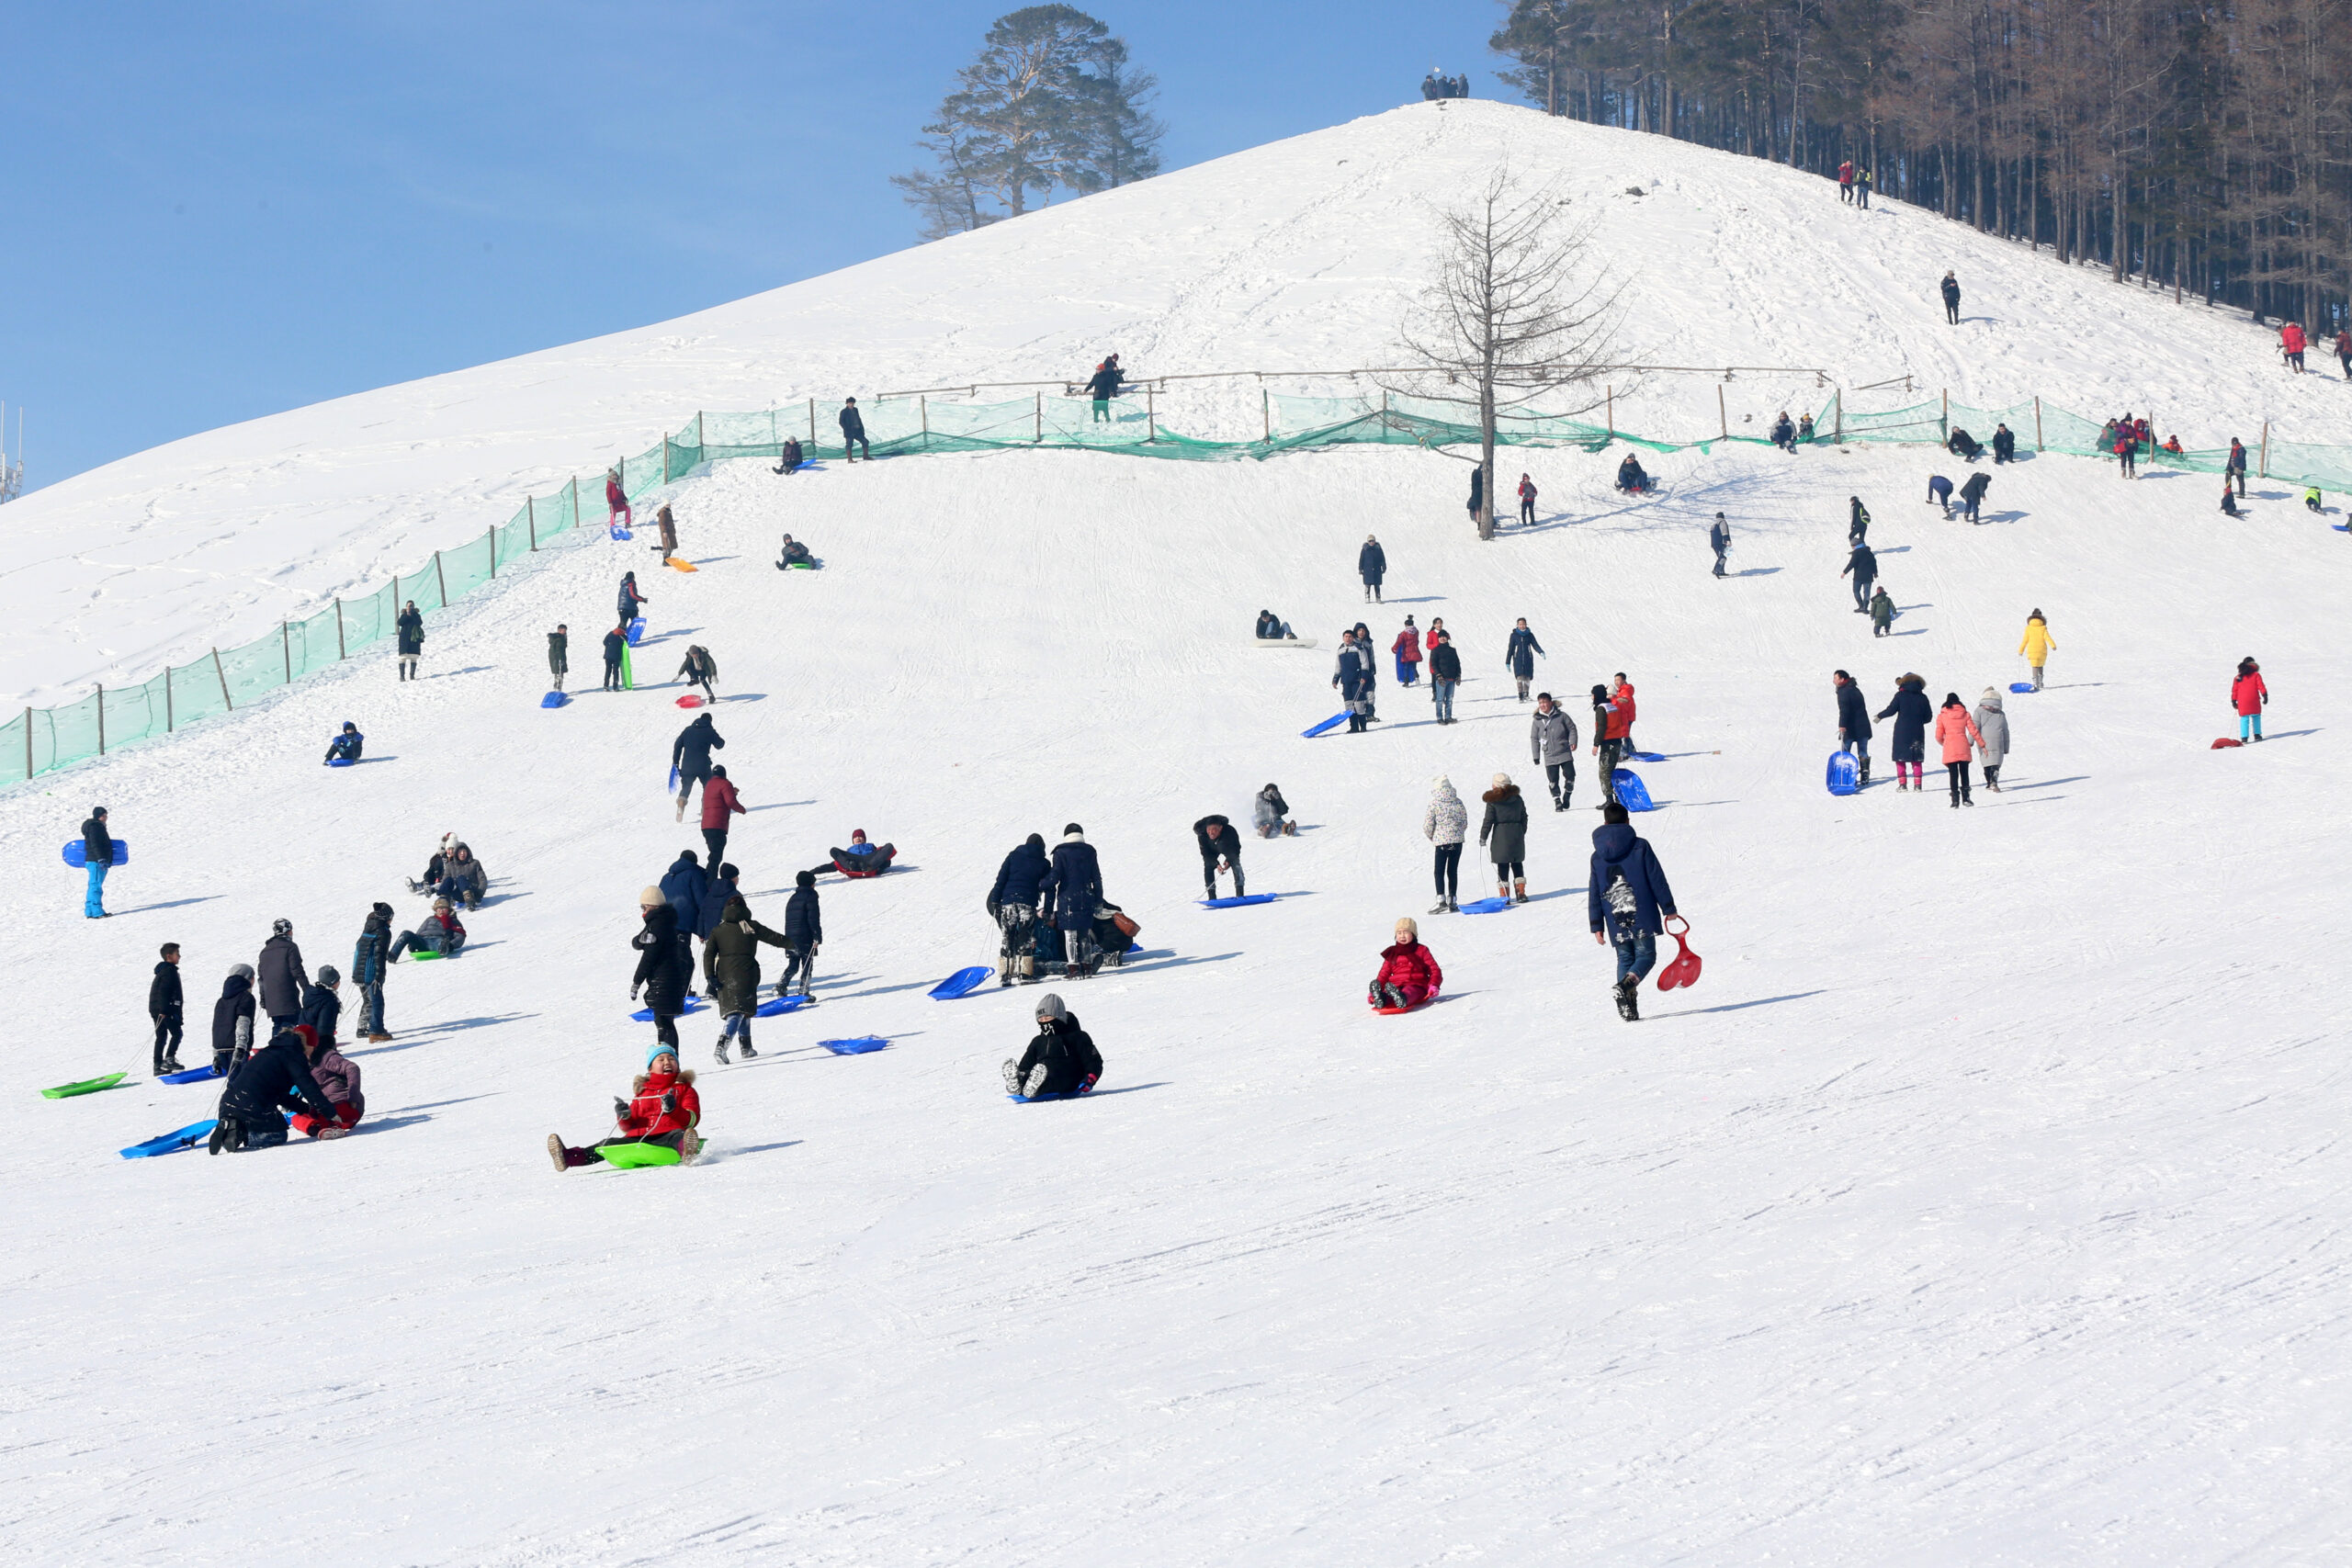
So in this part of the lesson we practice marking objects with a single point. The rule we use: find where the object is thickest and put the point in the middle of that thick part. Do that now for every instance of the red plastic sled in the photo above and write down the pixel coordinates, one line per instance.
(1684, 969)
(2225, 743)
(690, 701)
(1415, 1007)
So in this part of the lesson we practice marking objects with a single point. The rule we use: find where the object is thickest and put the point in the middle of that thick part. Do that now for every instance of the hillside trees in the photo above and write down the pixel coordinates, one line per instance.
(1050, 102)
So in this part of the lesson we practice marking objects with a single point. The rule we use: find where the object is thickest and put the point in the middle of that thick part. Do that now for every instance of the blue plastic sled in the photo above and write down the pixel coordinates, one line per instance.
(554, 700)
(194, 1075)
(1845, 774)
(857, 1047)
(1484, 906)
(776, 1007)
(645, 1015)
(1236, 903)
(673, 778)
(341, 761)
(1329, 724)
(1645, 756)
(621, 534)
(636, 630)
(187, 1137)
(78, 859)
(961, 983)
(2020, 685)
(1631, 793)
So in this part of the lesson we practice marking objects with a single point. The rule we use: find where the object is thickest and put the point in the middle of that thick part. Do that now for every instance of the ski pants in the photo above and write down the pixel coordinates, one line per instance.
(1862, 592)
(715, 841)
(1208, 872)
(1442, 696)
(1719, 563)
(738, 1027)
(801, 962)
(665, 1028)
(167, 1036)
(2249, 724)
(1957, 774)
(1611, 751)
(371, 1006)
(1636, 950)
(93, 896)
(1016, 952)
(1449, 870)
(1561, 777)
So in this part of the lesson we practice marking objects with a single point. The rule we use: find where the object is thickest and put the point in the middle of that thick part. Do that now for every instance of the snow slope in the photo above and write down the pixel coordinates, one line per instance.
(1302, 255)
(1983, 1203)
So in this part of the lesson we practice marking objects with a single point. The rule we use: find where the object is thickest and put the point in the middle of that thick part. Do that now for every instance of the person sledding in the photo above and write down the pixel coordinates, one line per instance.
(1270, 814)
(1060, 1061)
(345, 748)
(794, 554)
(453, 872)
(274, 1080)
(663, 1110)
(1632, 478)
(700, 668)
(791, 456)
(1220, 851)
(1409, 972)
(440, 933)
(861, 859)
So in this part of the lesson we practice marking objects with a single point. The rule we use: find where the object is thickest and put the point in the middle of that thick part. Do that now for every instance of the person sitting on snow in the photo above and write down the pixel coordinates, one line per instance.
(1060, 1061)
(1964, 445)
(345, 748)
(2229, 499)
(1784, 434)
(795, 554)
(437, 932)
(861, 859)
(1270, 815)
(276, 1077)
(434, 868)
(461, 877)
(2004, 444)
(1409, 972)
(790, 457)
(338, 1079)
(1270, 625)
(1804, 428)
(664, 1111)
(1631, 477)
(2311, 500)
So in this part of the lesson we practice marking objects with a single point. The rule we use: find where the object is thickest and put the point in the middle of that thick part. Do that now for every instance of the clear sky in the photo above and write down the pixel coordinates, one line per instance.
(218, 212)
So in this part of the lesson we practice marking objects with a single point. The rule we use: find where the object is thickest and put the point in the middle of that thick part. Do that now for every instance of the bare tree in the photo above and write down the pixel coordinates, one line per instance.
(1516, 313)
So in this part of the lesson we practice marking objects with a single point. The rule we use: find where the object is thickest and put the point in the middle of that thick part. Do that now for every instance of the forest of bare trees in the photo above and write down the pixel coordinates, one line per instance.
(2204, 149)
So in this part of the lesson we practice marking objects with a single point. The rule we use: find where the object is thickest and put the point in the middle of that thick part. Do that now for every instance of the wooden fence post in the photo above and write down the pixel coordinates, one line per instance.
(2037, 422)
(1265, 412)
(1943, 421)
(698, 441)
(665, 459)
(1837, 420)
(1610, 393)
(926, 422)
(1040, 434)
(492, 535)
(2262, 472)
(1151, 417)
(531, 518)
(285, 650)
(440, 578)
(1722, 420)
(340, 651)
(170, 722)
(575, 500)
(222, 675)
(28, 742)
(812, 430)
(102, 721)
(1383, 413)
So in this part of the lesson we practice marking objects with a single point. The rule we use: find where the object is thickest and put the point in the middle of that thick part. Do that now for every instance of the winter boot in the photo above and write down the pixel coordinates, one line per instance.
(1038, 1076)
(722, 1050)
(1290, 829)
(1011, 1075)
(1502, 891)
(219, 1139)
(1440, 906)
(744, 1047)
(1864, 774)
(555, 1151)
(1518, 892)
(689, 1145)
(1629, 991)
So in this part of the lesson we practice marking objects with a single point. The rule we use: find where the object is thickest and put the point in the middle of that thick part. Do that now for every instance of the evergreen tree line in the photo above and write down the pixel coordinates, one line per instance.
(1050, 102)
(2201, 148)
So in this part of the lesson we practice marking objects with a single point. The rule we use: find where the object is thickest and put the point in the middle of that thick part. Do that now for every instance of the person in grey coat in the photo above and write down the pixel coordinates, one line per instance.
(1504, 833)
(1372, 565)
(1993, 737)
(282, 977)
(1553, 739)
(1719, 540)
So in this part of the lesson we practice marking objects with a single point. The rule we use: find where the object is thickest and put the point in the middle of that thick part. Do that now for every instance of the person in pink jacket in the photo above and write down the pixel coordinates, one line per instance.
(616, 501)
(1408, 650)
(1957, 732)
(2249, 696)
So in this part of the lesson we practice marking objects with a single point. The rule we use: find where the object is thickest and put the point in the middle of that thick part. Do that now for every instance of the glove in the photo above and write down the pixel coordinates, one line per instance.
(993, 909)
(620, 1108)
(670, 1102)
(632, 993)
(1086, 1084)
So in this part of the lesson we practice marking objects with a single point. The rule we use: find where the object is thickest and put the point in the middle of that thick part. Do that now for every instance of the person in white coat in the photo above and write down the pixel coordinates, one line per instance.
(1993, 737)
(1447, 823)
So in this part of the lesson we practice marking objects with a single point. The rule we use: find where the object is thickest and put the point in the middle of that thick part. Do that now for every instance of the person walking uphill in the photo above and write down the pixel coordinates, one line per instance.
(1073, 890)
(167, 1006)
(2249, 696)
(1013, 904)
(1408, 650)
(690, 754)
(1854, 723)
(98, 859)
(560, 654)
(731, 972)
(1504, 833)
(1372, 565)
(1992, 732)
(2037, 644)
(1446, 823)
(1882, 608)
(1628, 902)
(1951, 299)
(1719, 541)
(718, 803)
(1553, 738)
(1909, 710)
(1863, 565)
(628, 600)
(1445, 674)
(1958, 735)
(664, 962)
(853, 433)
(1519, 656)
(282, 977)
(410, 642)
(1220, 851)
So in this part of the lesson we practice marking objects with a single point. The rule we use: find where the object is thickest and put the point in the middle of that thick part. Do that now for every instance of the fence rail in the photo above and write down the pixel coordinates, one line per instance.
(39, 740)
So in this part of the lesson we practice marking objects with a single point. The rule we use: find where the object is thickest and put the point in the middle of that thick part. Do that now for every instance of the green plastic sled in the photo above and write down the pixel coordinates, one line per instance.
(425, 955)
(632, 1157)
(87, 1086)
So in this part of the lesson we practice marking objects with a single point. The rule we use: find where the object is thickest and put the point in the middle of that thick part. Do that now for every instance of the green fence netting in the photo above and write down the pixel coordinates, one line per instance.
(42, 740)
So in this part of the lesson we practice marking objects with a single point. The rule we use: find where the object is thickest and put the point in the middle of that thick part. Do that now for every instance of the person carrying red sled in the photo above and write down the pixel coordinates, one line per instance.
(2249, 696)
(663, 1110)
(1409, 972)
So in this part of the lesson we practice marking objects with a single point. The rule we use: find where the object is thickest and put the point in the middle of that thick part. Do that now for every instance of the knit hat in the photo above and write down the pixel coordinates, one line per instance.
(660, 1051)
(857, 835)
(650, 896)
(1441, 782)
(241, 970)
(1410, 927)
(1503, 781)
(281, 928)
(1050, 1006)
(330, 976)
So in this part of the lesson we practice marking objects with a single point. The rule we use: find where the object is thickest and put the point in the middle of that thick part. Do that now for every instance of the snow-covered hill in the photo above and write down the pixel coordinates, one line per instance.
(1982, 1204)
(1302, 255)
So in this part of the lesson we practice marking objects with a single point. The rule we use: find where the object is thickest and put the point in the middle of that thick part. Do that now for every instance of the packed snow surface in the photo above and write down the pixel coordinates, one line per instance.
(1983, 1203)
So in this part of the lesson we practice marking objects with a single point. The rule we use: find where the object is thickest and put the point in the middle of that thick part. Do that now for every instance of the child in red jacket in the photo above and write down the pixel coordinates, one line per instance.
(2249, 696)
(664, 1111)
(1409, 972)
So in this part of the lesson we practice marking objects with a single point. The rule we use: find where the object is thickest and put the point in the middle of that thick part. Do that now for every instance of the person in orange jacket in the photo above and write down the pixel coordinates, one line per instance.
(1957, 731)
(2290, 344)
(663, 1110)
(2249, 696)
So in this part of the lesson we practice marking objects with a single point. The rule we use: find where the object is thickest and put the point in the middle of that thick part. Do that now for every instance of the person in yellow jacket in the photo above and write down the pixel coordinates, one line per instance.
(2036, 646)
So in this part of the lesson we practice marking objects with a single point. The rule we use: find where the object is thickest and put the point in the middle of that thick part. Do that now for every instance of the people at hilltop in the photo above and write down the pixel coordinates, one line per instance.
(662, 1109)
(275, 1078)
(346, 747)
(1784, 433)
(1964, 445)
(2343, 350)
(690, 755)
(1632, 477)
(1951, 299)
(1408, 974)
(1519, 656)
(852, 425)
(2127, 453)
(1846, 181)
(1061, 1060)
(1908, 709)
(1804, 430)
(2249, 696)
(1372, 565)
(408, 642)
(1627, 902)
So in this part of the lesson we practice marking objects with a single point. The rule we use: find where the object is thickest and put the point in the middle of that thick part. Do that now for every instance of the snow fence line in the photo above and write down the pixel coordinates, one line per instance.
(41, 740)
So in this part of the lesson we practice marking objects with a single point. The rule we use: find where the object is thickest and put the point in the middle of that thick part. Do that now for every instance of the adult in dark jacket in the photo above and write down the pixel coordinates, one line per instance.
(462, 879)
(369, 955)
(1553, 739)
(1719, 541)
(166, 1007)
(1372, 565)
(1105, 385)
(560, 654)
(2004, 444)
(664, 964)
(1972, 494)
(681, 887)
(730, 972)
(1061, 1060)
(804, 931)
(699, 669)
(1626, 893)
(1854, 722)
(1862, 565)
(321, 1004)
(1477, 488)
(1857, 521)
(1220, 846)
(233, 1021)
(1911, 710)
(1353, 677)
(1073, 888)
(1951, 299)
(98, 855)
(410, 639)
(710, 903)
(852, 425)
(1504, 833)
(630, 601)
(1445, 674)
(615, 647)
(1013, 904)
(1519, 656)
(275, 1078)
(346, 747)
(690, 754)
(282, 975)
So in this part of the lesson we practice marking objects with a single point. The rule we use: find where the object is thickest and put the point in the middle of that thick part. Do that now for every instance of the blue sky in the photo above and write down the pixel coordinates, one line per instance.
(223, 212)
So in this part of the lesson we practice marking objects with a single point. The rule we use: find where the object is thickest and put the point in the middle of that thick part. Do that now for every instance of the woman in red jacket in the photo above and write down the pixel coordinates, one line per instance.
(1409, 972)
(2249, 696)
(664, 1111)
(1408, 650)
(616, 501)
(1526, 501)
